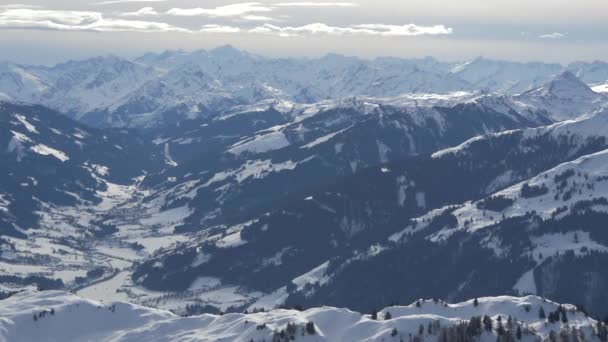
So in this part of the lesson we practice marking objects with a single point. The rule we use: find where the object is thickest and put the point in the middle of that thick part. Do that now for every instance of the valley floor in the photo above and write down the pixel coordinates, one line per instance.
(100, 268)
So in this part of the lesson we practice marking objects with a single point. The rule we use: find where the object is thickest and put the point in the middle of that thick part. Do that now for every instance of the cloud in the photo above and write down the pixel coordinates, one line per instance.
(554, 35)
(143, 12)
(368, 29)
(406, 30)
(26, 18)
(77, 21)
(212, 28)
(317, 4)
(252, 17)
(112, 2)
(234, 10)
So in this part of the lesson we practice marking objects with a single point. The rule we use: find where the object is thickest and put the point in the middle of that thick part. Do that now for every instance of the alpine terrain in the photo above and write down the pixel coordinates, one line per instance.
(222, 195)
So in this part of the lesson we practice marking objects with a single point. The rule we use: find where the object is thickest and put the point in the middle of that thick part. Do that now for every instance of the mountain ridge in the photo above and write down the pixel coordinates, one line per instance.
(107, 91)
(54, 310)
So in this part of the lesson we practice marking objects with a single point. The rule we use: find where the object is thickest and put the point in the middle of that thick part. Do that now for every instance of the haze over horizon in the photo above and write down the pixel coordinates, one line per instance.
(133, 56)
(549, 31)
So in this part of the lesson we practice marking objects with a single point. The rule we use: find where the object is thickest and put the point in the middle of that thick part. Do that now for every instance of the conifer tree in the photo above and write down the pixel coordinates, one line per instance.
(487, 323)
(310, 328)
(518, 332)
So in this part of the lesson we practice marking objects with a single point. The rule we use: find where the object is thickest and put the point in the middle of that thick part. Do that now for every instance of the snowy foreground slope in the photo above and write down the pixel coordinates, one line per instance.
(60, 316)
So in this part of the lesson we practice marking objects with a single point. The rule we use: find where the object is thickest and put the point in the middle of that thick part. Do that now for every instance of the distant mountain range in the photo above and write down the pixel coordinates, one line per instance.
(157, 89)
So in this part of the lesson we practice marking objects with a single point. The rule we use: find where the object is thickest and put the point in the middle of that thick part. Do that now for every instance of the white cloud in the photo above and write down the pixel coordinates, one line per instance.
(112, 2)
(369, 29)
(317, 4)
(234, 10)
(212, 28)
(143, 12)
(406, 30)
(554, 35)
(95, 21)
(77, 21)
(252, 17)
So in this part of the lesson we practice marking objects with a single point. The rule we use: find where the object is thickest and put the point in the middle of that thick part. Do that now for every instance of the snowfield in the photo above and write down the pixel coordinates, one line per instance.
(65, 317)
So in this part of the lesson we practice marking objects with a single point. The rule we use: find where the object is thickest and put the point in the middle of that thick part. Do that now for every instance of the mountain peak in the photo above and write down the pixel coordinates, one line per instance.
(567, 85)
(567, 76)
(226, 51)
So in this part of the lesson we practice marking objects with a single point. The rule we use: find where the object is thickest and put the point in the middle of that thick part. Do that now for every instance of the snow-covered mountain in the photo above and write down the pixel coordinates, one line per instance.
(59, 316)
(254, 182)
(165, 88)
(302, 251)
(56, 175)
(565, 97)
(109, 224)
(48, 158)
(309, 146)
(505, 77)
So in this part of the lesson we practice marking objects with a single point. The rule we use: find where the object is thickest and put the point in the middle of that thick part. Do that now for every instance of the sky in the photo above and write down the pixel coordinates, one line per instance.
(47, 32)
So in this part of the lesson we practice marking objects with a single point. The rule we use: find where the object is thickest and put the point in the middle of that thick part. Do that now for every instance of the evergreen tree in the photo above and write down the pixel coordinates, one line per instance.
(541, 313)
(374, 314)
(475, 326)
(418, 304)
(564, 316)
(602, 332)
(500, 329)
(394, 332)
(291, 329)
(476, 302)
(487, 323)
(518, 333)
(421, 330)
(310, 328)
(552, 336)
(387, 316)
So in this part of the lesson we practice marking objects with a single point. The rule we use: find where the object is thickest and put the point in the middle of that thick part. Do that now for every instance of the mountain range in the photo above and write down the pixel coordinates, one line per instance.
(222, 181)
(165, 88)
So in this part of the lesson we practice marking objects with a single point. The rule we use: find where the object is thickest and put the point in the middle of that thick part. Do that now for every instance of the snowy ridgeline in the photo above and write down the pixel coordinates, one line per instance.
(60, 316)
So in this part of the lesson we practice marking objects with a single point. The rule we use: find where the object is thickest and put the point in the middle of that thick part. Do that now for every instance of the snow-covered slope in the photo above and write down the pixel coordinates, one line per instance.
(503, 76)
(59, 316)
(600, 88)
(56, 179)
(302, 250)
(333, 138)
(565, 97)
